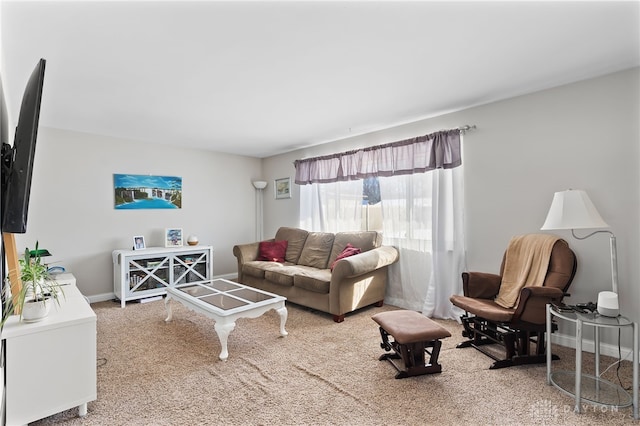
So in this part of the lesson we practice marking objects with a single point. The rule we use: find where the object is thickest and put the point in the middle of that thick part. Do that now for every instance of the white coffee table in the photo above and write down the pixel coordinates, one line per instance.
(225, 301)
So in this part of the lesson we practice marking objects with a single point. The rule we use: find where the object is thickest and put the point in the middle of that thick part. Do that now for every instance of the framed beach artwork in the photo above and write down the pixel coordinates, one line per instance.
(173, 237)
(147, 192)
(282, 187)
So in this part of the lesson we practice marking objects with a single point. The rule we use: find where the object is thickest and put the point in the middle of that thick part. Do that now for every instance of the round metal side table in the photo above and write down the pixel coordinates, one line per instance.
(587, 388)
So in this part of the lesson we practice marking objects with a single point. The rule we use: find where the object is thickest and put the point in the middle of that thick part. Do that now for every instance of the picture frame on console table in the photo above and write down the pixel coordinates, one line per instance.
(173, 237)
(282, 188)
(138, 242)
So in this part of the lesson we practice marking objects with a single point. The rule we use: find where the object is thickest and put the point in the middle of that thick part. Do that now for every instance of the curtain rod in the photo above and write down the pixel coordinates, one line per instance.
(463, 129)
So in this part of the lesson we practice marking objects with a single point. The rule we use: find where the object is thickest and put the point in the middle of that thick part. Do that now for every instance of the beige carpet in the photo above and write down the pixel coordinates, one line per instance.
(156, 373)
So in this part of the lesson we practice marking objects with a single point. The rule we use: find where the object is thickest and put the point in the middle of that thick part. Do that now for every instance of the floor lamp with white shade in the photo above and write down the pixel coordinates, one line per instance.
(573, 209)
(259, 185)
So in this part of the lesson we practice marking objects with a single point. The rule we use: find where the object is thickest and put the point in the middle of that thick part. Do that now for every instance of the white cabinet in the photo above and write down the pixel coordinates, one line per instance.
(148, 272)
(50, 365)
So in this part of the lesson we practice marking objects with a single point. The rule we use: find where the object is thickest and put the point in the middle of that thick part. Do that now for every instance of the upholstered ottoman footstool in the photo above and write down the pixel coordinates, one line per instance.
(413, 335)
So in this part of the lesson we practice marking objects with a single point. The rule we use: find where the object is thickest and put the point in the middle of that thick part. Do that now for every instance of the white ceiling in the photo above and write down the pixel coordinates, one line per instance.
(262, 78)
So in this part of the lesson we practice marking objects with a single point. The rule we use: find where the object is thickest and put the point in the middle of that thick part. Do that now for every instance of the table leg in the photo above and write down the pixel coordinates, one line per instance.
(635, 370)
(578, 365)
(82, 410)
(283, 319)
(223, 331)
(596, 340)
(167, 305)
(548, 342)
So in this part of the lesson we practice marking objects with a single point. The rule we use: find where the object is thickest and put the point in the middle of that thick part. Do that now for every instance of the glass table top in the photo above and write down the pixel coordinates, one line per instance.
(593, 318)
(226, 295)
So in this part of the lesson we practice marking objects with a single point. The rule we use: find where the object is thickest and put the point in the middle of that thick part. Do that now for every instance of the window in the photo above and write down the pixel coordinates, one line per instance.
(371, 206)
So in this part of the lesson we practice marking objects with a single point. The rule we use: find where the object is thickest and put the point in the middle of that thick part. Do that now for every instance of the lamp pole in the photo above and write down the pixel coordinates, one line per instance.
(614, 255)
(259, 186)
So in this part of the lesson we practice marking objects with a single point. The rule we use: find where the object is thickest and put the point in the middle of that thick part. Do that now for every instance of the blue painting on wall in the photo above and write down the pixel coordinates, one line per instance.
(147, 192)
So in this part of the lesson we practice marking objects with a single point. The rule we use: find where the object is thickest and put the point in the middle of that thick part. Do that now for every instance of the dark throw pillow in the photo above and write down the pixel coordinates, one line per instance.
(272, 251)
(349, 250)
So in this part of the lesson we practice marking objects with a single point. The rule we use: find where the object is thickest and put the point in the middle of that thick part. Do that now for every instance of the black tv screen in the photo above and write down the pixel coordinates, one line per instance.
(17, 161)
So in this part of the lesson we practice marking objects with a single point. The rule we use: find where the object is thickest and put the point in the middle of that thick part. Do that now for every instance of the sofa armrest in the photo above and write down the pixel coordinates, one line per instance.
(364, 262)
(480, 285)
(246, 252)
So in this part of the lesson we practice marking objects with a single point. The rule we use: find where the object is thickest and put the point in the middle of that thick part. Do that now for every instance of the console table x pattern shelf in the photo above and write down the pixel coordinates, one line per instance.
(138, 274)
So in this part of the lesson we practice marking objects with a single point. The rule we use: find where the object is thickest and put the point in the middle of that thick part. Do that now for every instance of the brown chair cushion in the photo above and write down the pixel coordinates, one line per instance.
(484, 308)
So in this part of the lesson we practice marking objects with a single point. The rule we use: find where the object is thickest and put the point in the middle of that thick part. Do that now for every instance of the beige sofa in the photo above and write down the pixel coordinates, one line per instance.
(305, 277)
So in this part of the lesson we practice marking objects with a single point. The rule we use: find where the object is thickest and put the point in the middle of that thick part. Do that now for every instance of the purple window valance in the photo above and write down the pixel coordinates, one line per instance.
(440, 150)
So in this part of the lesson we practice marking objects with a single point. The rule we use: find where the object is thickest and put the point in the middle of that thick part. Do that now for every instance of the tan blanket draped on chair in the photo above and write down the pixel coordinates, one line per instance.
(526, 264)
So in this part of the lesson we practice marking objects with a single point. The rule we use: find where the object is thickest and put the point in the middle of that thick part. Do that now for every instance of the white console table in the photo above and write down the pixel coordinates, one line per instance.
(50, 365)
(138, 274)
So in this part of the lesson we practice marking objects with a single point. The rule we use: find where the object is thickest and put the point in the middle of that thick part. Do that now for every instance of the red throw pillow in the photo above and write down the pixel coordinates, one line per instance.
(272, 251)
(349, 250)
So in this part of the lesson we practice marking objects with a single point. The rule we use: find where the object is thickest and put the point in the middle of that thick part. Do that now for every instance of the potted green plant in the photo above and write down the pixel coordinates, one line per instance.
(38, 288)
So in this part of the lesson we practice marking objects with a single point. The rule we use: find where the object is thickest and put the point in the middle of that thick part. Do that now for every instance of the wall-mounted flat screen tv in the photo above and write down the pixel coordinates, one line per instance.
(17, 160)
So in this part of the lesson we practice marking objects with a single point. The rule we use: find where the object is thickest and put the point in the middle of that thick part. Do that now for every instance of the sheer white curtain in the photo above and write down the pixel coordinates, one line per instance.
(423, 218)
(422, 211)
(331, 207)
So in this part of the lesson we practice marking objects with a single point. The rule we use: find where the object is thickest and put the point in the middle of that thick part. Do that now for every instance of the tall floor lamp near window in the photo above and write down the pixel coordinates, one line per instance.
(572, 209)
(259, 185)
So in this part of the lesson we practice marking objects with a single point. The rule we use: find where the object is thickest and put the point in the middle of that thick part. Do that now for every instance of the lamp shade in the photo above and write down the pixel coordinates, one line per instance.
(572, 209)
(259, 184)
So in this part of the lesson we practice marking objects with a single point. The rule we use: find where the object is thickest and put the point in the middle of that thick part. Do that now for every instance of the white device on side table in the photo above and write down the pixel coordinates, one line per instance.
(608, 304)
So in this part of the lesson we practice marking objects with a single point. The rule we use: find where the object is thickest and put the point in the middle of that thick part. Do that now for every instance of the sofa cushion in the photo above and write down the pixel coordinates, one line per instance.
(295, 238)
(312, 279)
(364, 240)
(317, 249)
(349, 250)
(256, 268)
(273, 251)
(281, 274)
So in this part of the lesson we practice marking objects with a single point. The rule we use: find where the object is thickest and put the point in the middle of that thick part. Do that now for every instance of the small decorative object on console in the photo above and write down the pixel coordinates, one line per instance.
(192, 240)
(173, 237)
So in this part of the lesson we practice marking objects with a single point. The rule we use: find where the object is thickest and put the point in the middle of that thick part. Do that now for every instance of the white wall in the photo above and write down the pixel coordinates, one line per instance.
(582, 136)
(72, 203)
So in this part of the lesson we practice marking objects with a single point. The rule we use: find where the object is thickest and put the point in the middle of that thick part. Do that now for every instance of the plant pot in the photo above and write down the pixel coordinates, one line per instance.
(35, 310)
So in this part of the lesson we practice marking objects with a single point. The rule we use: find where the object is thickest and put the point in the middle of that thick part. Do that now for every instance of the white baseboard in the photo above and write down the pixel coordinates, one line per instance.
(101, 297)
